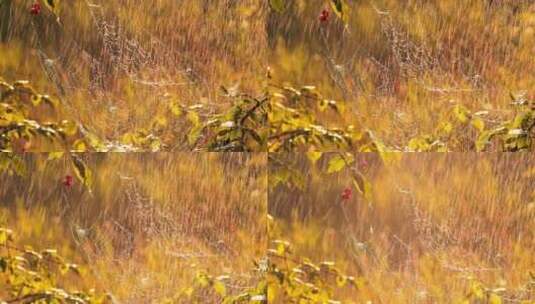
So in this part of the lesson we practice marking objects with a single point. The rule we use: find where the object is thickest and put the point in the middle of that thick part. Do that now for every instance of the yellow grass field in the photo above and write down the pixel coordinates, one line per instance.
(267, 151)
(117, 67)
(400, 68)
(151, 223)
(438, 228)
(179, 76)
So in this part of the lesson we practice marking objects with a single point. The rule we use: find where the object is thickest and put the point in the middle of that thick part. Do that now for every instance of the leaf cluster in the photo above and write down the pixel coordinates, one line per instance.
(29, 276)
(19, 102)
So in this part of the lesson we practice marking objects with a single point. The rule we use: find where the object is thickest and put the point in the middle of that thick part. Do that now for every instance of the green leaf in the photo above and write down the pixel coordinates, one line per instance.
(336, 164)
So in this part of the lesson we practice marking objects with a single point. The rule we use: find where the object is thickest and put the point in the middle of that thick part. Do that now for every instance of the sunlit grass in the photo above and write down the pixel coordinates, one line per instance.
(114, 64)
(437, 225)
(401, 66)
(151, 222)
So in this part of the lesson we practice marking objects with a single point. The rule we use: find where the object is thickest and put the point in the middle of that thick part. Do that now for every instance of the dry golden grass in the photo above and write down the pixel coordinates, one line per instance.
(438, 225)
(151, 223)
(402, 65)
(399, 67)
(114, 64)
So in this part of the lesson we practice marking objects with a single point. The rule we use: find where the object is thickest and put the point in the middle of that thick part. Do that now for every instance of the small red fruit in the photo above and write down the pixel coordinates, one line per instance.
(35, 9)
(346, 194)
(68, 181)
(324, 16)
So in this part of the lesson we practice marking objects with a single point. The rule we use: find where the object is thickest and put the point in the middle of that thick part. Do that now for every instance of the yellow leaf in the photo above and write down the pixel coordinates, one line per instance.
(53, 6)
(313, 156)
(495, 299)
(445, 128)
(341, 9)
(341, 280)
(5, 235)
(322, 104)
(193, 117)
(194, 134)
(202, 279)
(391, 157)
(277, 5)
(220, 288)
(188, 291)
(336, 164)
(160, 121)
(82, 171)
(36, 99)
(363, 186)
(55, 155)
(79, 146)
(272, 293)
(479, 124)
(175, 108)
(462, 113)
(69, 127)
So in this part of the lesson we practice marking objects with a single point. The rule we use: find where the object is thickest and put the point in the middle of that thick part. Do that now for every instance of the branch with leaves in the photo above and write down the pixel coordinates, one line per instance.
(28, 276)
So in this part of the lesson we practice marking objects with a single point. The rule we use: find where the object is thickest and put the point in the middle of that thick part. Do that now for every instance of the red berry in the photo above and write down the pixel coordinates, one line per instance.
(68, 181)
(324, 16)
(35, 9)
(346, 194)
